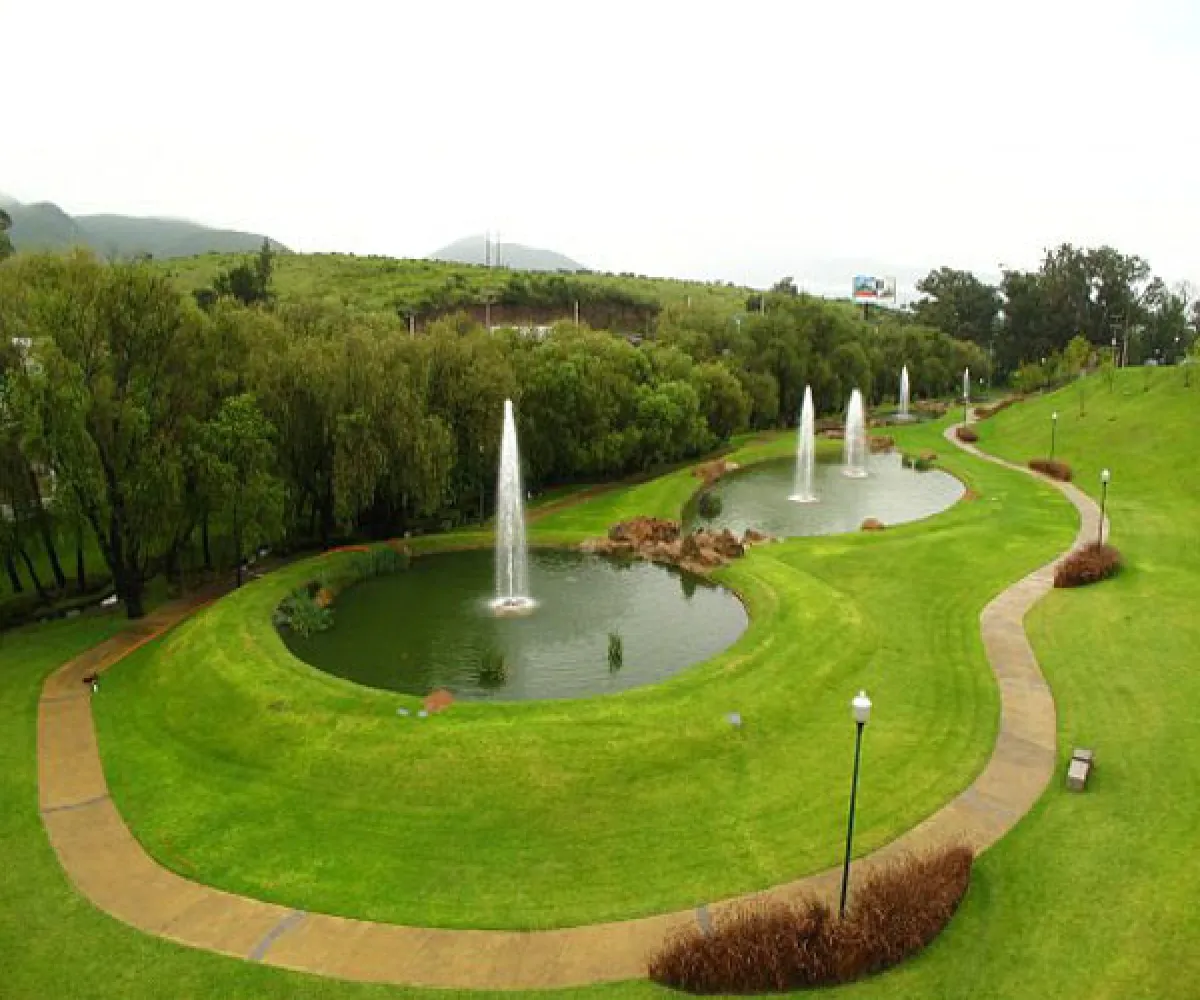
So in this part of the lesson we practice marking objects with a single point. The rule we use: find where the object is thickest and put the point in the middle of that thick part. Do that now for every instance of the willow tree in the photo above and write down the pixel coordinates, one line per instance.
(114, 399)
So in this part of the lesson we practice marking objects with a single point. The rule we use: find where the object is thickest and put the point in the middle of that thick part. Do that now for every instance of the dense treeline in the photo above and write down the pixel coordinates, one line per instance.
(1111, 300)
(131, 413)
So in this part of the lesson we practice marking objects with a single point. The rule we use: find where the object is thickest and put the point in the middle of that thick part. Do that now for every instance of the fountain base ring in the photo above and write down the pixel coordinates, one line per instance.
(802, 498)
(855, 473)
(512, 607)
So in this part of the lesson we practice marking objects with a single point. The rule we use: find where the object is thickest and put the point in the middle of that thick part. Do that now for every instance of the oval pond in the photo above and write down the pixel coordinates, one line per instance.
(429, 627)
(757, 497)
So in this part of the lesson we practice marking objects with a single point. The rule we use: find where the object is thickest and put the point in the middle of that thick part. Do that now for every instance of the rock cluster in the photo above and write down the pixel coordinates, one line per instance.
(710, 472)
(662, 541)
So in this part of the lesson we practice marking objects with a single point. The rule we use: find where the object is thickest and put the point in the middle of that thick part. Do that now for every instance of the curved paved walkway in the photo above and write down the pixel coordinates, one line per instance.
(111, 869)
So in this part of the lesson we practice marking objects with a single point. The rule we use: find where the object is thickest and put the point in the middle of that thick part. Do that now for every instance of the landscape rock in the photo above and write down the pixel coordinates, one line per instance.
(872, 524)
(660, 541)
(710, 472)
(438, 701)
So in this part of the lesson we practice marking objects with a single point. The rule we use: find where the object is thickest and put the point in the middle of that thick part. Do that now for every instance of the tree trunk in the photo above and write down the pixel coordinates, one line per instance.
(80, 564)
(37, 583)
(133, 596)
(45, 529)
(237, 545)
(14, 578)
(204, 540)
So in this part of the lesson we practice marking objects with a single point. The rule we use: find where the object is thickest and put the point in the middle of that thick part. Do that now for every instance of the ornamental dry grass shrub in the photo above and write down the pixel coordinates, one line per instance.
(1090, 564)
(895, 913)
(964, 433)
(983, 412)
(1052, 468)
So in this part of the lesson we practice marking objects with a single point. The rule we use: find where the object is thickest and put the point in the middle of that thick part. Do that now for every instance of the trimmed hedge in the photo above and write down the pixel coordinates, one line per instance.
(967, 434)
(897, 911)
(1052, 468)
(1090, 564)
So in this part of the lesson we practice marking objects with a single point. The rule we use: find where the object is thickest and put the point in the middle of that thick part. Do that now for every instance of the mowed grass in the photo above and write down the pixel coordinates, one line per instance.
(1087, 898)
(54, 945)
(237, 765)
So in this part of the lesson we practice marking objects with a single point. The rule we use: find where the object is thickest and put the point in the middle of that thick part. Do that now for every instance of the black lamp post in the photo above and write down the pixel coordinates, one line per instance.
(861, 709)
(1105, 476)
(1053, 432)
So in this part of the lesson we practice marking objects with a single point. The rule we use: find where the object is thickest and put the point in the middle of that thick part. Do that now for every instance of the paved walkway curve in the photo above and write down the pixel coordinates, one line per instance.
(111, 869)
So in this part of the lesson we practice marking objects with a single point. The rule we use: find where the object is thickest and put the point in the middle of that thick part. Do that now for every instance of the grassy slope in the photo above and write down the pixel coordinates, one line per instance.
(1087, 898)
(561, 813)
(53, 944)
(380, 282)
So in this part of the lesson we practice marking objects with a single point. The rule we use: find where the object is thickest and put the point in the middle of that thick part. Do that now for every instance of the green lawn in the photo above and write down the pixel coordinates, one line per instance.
(1090, 897)
(571, 812)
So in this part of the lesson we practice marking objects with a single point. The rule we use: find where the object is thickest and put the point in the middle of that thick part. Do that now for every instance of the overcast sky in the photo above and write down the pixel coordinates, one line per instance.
(738, 140)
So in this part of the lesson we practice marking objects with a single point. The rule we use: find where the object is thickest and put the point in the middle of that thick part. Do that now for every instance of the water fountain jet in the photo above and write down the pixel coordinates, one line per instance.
(512, 555)
(854, 449)
(902, 413)
(806, 447)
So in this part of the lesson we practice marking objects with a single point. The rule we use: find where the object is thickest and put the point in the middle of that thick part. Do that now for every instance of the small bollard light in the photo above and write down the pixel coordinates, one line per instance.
(735, 719)
(1105, 476)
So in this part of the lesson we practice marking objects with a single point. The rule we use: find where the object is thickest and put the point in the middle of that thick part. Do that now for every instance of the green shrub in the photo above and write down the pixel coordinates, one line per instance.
(921, 462)
(493, 668)
(616, 651)
(301, 613)
(709, 505)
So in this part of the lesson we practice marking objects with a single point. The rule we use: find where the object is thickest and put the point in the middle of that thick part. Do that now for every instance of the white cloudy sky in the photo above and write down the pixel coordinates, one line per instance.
(740, 140)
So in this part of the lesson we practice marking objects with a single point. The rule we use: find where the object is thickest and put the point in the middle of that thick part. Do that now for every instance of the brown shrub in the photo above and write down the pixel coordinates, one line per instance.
(965, 433)
(879, 443)
(1052, 468)
(872, 524)
(896, 912)
(983, 412)
(1090, 564)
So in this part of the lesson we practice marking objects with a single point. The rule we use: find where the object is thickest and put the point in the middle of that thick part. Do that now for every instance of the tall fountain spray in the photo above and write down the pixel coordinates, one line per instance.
(902, 413)
(512, 556)
(806, 448)
(854, 454)
(966, 385)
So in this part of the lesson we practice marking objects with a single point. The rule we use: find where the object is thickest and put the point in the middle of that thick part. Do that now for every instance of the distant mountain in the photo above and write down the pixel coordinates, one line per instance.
(473, 250)
(45, 226)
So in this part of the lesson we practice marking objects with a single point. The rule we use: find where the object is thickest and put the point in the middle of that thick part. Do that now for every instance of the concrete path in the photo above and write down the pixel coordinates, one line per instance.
(111, 869)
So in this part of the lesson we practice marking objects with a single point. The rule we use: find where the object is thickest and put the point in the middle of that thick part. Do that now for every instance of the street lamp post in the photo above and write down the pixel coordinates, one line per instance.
(860, 707)
(1053, 432)
(1105, 476)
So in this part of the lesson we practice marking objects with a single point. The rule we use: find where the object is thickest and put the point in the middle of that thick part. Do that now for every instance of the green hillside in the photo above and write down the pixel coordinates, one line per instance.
(388, 283)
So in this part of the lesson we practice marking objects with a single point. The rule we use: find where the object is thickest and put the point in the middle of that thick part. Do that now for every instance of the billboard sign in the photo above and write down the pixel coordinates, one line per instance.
(871, 289)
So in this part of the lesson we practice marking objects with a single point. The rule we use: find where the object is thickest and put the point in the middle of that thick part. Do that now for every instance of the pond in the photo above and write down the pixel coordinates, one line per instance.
(429, 627)
(757, 497)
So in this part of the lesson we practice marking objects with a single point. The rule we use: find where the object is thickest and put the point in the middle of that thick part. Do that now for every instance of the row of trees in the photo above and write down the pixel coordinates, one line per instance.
(133, 414)
(1112, 300)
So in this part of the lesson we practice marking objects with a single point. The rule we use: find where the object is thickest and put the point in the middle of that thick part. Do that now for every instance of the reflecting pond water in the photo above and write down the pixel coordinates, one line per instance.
(430, 628)
(757, 497)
